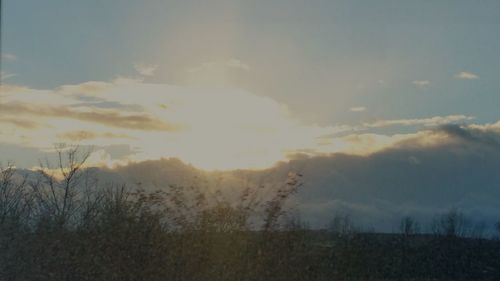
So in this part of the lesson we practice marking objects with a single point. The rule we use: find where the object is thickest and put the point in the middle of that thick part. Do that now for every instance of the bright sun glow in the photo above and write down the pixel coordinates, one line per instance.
(210, 127)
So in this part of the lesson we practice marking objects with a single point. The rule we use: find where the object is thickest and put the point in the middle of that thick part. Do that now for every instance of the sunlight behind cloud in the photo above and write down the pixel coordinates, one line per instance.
(207, 126)
(210, 127)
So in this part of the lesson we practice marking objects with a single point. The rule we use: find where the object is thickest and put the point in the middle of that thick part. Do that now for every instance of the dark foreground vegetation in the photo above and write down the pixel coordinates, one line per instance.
(63, 225)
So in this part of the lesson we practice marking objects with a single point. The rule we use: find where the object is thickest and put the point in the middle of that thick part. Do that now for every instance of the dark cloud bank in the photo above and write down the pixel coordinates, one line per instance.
(414, 178)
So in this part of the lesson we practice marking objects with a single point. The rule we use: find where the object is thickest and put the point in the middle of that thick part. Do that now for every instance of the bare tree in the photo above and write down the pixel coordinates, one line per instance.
(497, 228)
(409, 226)
(342, 226)
(14, 198)
(56, 191)
(451, 224)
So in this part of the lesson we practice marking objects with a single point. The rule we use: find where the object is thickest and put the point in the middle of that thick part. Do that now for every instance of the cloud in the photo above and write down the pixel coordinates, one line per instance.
(486, 135)
(146, 69)
(466, 75)
(9, 56)
(105, 117)
(234, 63)
(415, 177)
(431, 121)
(209, 127)
(28, 157)
(5, 75)
(219, 73)
(421, 175)
(421, 83)
(76, 136)
(216, 65)
(357, 109)
(22, 123)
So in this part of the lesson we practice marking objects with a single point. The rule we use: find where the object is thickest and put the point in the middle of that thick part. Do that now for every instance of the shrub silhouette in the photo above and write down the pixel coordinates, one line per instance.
(63, 225)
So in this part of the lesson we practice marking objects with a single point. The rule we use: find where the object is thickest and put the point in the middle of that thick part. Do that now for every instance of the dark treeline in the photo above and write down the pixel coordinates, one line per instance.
(63, 225)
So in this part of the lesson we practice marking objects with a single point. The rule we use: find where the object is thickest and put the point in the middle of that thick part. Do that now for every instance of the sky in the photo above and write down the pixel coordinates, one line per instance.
(225, 85)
